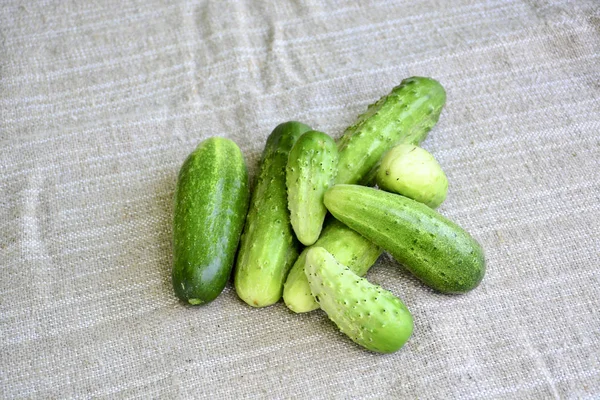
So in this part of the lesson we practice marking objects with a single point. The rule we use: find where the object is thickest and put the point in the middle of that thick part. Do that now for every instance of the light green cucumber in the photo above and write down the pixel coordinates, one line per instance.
(371, 316)
(346, 245)
(311, 169)
(268, 246)
(406, 115)
(211, 201)
(436, 250)
(413, 172)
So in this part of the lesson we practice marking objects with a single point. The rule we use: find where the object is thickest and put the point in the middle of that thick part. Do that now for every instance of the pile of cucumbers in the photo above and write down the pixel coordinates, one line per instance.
(315, 223)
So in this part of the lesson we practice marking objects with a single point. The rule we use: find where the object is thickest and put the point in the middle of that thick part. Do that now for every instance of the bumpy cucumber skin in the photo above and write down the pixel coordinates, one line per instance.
(436, 250)
(346, 245)
(406, 115)
(413, 172)
(211, 201)
(371, 316)
(311, 169)
(268, 246)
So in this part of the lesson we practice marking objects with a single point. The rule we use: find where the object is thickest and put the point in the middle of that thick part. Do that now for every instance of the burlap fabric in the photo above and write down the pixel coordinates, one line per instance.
(101, 101)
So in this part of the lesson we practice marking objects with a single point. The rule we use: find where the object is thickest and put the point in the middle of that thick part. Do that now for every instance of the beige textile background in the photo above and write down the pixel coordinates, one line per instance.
(101, 101)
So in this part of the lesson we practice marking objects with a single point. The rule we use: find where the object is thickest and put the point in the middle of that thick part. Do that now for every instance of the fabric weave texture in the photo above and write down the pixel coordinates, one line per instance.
(100, 102)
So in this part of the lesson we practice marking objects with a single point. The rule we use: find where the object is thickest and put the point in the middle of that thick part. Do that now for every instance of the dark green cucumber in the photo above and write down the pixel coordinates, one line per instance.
(268, 246)
(406, 115)
(436, 250)
(346, 245)
(311, 169)
(371, 316)
(211, 201)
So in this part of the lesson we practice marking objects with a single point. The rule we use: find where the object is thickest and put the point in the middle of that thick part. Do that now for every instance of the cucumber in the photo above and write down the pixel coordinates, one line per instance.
(406, 115)
(413, 172)
(436, 250)
(268, 246)
(346, 245)
(371, 316)
(211, 200)
(311, 168)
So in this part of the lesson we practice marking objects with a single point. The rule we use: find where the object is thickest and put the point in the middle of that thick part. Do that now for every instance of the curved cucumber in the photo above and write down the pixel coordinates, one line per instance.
(211, 200)
(371, 316)
(406, 115)
(436, 250)
(311, 168)
(346, 245)
(268, 245)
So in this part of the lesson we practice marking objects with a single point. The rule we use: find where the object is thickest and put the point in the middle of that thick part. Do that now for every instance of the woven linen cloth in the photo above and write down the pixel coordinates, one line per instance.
(100, 103)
